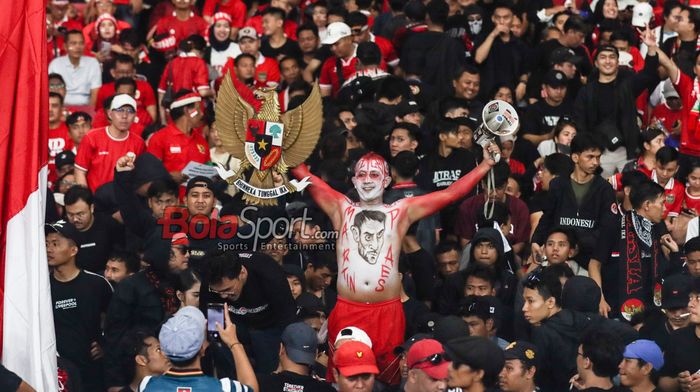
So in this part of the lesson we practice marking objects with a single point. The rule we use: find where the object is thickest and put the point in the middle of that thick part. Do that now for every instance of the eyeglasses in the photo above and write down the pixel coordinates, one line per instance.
(230, 293)
(124, 110)
(57, 85)
(434, 359)
(581, 354)
(182, 248)
(694, 298)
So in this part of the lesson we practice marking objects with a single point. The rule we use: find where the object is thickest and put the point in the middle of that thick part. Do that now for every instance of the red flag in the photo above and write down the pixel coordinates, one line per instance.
(27, 334)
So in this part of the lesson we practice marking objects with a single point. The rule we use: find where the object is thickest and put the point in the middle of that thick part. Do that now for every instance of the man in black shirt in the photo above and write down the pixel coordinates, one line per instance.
(543, 116)
(297, 355)
(275, 44)
(97, 235)
(80, 299)
(259, 298)
(681, 359)
(597, 360)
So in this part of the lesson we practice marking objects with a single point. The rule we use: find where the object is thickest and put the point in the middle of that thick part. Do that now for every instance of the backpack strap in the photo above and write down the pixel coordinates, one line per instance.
(144, 383)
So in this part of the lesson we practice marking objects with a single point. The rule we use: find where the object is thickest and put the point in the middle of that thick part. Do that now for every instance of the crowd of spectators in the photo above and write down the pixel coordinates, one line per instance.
(579, 268)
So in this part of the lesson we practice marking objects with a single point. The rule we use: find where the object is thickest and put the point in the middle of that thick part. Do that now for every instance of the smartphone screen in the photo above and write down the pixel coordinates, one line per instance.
(215, 314)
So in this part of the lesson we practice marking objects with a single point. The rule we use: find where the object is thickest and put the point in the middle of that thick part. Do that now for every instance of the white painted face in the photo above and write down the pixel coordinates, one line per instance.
(370, 178)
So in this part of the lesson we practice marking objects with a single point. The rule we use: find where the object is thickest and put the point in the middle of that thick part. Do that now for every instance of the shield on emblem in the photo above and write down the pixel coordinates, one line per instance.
(263, 143)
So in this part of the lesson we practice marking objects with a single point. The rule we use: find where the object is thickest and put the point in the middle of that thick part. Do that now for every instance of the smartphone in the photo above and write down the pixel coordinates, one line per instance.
(215, 314)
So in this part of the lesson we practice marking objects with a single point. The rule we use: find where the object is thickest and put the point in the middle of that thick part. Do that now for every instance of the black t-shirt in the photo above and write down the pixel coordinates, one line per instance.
(682, 353)
(605, 93)
(615, 388)
(289, 49)
(8, 380)
(77, 309)
(266, 300)
(293, 382)
(541, 118)
(97, 243)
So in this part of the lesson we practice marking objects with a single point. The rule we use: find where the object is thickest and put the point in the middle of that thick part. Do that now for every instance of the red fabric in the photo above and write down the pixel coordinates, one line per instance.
(690, 142)
(235, 8)
(59, 141)
(268, 71)
(388, 53)
(616, 179)
(384, 323)
(182, 29)
(516, 167)
(329, 74)
(189, 73)
(290, 27)
(674, 199)
(98, 154)
(24, 119)
(692, 202)
(91, 36)
(176, 149)
(668, 117)
(144, 94)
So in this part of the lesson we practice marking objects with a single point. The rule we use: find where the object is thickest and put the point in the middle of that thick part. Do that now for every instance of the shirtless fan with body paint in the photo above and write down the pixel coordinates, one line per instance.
(368, 248)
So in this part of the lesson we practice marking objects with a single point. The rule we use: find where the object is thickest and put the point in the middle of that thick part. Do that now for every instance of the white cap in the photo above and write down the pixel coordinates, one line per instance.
(623, 4)
(121, 100)
(336, 31)
(669, 91)
(353, 333)
(625, 59)
(642, 14)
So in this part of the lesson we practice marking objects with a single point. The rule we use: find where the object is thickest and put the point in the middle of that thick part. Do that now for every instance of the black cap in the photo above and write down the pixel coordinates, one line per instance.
(78, 116)
(66, 229)
(407, 107)
(580, 293)
(607, 48)
(563, 55)
(200, 181)
(65, 158)
(470, 122)
(555, 78)
(478, 352)
(405, 346)
(449, 328)
(309, 305)
(522, 350)
(675, 290)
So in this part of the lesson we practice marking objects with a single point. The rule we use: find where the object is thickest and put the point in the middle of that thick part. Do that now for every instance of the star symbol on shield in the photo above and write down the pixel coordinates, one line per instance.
(262, 145)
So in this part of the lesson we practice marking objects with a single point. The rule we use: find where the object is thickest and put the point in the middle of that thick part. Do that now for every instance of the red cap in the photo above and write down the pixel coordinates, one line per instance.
(353, 358)
(222, 16)
(420, 357)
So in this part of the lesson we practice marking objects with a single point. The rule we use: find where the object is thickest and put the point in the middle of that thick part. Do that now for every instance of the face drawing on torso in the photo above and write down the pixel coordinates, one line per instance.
(368, 232)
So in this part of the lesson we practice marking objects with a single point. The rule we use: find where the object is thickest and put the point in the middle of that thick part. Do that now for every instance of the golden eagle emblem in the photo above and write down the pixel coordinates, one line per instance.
(268, 142)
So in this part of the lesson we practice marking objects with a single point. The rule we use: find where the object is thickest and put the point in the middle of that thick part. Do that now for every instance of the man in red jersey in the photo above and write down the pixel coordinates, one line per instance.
(124, 67)
(179, 143)
(101, 147)
(338, 68)
(59, 139)
(182, 23)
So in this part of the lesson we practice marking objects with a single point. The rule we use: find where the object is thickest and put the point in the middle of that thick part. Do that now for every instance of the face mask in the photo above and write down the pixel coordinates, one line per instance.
(475, 26)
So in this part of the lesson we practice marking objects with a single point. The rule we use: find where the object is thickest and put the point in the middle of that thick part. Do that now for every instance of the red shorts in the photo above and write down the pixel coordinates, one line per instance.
(385, 324)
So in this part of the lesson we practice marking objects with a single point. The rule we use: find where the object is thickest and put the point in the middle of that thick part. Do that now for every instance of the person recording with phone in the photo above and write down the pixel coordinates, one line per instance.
(183, 340)
(256, 290)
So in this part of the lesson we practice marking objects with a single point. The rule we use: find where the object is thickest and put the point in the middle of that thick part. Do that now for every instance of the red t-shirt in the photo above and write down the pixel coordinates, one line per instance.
(266, 70)
(90, 34)
(98, 154)
(189, 72)
(144, 94)
(329, 74)
(59, 141)
(691, 202)
(176, 149)
(388, 53)
(236, 8)
(182, 29)
(690, 142)
(616, 179)
(516, 167)
(664, 114)
(675, 193)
